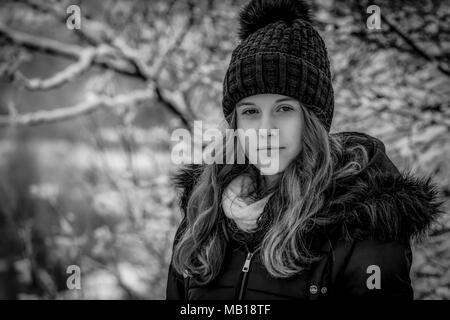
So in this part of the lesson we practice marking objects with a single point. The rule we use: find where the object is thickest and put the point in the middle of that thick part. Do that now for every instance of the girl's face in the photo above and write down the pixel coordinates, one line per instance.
(270, 111)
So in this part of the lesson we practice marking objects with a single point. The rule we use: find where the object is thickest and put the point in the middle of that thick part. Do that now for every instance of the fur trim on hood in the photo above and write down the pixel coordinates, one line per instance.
(378, 203)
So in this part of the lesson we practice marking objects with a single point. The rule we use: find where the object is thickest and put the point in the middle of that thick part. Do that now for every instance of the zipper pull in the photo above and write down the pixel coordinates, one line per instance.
(247, 262)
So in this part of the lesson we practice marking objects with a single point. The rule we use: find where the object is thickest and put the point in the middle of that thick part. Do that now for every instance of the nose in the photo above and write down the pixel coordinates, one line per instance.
(268, 123)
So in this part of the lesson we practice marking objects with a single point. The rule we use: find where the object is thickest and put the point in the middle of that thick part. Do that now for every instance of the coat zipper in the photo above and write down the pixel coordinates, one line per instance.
(245, 270)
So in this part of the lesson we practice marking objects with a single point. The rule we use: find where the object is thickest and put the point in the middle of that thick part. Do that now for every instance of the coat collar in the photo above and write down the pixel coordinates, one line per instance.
(378, 203)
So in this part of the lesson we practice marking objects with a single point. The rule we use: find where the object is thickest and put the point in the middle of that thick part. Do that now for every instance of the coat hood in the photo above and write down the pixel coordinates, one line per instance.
(380, 202)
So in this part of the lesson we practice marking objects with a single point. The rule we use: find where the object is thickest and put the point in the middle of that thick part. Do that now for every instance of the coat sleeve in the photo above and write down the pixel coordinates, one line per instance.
(378, 269)
(175, 289)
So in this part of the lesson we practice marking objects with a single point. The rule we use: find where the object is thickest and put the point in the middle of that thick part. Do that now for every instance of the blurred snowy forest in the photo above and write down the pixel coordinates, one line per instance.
(86, 117)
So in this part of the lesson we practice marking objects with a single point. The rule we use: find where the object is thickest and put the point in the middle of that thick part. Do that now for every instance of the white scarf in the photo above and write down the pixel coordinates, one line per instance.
(242, 211)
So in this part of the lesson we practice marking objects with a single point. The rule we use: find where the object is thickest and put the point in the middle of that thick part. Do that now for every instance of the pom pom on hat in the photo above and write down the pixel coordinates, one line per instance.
(259, 13)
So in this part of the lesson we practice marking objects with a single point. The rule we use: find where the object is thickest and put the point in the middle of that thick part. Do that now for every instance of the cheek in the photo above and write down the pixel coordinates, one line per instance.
(293, 135)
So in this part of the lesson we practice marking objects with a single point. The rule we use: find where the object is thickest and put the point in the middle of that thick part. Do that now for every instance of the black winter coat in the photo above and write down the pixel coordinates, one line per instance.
(383, 212)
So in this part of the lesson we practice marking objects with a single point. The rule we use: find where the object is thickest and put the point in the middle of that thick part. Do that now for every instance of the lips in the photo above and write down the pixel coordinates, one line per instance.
(270, 148)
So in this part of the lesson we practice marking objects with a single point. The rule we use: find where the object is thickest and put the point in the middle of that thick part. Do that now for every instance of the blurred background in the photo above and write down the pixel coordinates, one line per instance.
(86, 116)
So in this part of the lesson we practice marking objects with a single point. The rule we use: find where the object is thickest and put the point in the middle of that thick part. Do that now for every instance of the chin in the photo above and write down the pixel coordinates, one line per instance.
(268, 170)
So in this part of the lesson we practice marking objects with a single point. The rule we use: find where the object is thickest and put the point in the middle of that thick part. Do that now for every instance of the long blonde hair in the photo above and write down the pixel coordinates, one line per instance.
(295, 205)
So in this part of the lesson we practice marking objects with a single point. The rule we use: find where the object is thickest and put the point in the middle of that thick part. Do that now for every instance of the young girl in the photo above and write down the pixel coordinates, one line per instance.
(334, 220)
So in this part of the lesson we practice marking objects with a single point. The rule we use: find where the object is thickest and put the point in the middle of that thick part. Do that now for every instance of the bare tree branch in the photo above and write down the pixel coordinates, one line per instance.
(440, 63)
(66, 50)
(86, 58)
(169, 101)
(97, 32)
(152, 72)
(125, 60)
(414, 46)
(159, 63)
(94, 32)
(40, 43)
(83, 108)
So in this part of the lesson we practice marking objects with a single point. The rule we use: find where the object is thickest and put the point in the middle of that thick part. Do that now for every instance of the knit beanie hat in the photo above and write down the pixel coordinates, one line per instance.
(280, 52)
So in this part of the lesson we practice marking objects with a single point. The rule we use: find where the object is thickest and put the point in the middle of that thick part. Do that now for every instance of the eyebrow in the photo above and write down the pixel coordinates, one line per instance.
(240, 104)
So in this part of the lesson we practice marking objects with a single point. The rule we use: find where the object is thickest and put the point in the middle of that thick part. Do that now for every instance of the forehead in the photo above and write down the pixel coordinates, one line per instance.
(264, 98)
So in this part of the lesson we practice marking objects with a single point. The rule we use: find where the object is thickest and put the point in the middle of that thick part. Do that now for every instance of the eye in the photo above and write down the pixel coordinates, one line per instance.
(286, 107)
(246, 112)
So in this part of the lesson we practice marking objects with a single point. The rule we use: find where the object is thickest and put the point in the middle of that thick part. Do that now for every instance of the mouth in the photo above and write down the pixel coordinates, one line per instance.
(270, 148)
